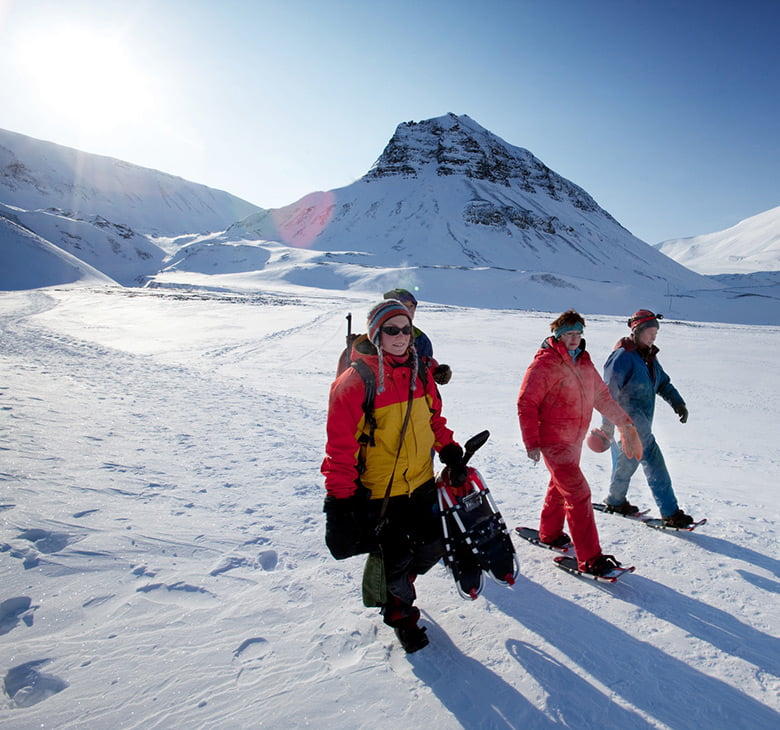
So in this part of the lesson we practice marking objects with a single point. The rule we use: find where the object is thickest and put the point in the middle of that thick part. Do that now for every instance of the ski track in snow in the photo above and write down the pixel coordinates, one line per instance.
(163, 561)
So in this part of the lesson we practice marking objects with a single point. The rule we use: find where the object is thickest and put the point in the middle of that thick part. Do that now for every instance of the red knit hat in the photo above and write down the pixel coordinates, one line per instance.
(643, 318)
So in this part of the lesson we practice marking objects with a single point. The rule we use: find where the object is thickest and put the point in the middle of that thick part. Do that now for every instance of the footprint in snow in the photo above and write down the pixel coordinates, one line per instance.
(347, 648)
(268, 559)
(14, 609)
(252, 649)
(228, 562)
(45, 541)
(26, 686)
(29, 557)
(175, 592)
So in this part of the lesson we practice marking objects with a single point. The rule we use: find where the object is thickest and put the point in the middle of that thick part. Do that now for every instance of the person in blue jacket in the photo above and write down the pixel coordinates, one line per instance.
(635, 377)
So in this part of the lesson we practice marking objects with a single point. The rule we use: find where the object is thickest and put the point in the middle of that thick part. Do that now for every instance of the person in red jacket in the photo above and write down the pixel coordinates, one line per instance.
(382, 473)
(560, 389)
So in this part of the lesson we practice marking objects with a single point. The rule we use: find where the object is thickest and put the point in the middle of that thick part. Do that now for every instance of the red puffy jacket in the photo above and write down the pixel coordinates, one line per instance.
(558, 395)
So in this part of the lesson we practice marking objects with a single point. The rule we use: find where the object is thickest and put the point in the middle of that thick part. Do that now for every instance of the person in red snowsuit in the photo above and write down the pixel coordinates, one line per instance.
(560, 389)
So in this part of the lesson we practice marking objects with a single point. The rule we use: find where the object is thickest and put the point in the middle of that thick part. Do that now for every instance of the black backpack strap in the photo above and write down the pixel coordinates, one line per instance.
(422, 370)
(369, 381)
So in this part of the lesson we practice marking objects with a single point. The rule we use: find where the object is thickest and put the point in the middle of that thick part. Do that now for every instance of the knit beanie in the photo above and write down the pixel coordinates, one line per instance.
(377, 316)
(402, 295)
(642, 319)
(380, 314)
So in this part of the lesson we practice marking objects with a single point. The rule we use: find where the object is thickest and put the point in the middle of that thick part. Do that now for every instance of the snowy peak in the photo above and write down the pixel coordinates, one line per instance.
(446, 192)
(457, 145)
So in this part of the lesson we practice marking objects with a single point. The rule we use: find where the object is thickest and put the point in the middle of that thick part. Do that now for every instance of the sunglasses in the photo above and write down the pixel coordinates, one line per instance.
(393, 331)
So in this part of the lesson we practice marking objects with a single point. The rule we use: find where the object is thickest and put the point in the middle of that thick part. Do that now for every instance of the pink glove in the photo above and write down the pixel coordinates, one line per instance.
(630, 441)
(598, 441)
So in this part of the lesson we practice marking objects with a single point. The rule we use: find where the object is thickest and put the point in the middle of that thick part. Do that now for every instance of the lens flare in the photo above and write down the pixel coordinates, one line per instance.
(301, 223)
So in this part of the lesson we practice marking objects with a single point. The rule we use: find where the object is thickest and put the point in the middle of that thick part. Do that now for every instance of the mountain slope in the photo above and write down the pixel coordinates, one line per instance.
(115, 249)
(752, 245)
(28, 261)
(35, 174)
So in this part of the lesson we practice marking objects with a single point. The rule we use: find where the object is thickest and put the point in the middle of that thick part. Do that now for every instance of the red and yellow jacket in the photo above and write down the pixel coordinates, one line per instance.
(558, 395)
(427, 430)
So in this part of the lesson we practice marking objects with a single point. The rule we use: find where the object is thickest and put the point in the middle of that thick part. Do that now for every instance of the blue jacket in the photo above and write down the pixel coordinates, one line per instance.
(422, 343)
(634, 378)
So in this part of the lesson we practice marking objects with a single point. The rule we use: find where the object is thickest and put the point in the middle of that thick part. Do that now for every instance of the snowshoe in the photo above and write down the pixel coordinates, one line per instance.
(609, 570)
(561, 544)
(476, 539)
(626, 508)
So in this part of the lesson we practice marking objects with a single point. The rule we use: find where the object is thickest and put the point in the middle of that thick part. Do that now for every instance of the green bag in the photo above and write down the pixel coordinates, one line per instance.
(374, 586)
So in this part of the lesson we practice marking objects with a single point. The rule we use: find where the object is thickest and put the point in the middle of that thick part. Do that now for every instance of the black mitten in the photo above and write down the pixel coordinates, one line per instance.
(452, 456)
(682, 412)
(345, 526)
(442, 374)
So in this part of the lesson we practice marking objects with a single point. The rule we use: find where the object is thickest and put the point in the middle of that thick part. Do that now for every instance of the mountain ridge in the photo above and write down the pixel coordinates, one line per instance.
(448, 209)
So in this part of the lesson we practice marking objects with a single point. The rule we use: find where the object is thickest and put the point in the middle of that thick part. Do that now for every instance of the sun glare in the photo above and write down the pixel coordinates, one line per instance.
(87, 76)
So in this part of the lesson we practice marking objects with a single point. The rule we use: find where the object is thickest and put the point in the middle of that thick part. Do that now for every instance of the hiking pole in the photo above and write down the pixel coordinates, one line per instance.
(349, 328)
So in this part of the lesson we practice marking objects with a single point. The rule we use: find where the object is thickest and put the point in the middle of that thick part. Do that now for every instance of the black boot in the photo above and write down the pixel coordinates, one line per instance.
(411, 636)
(678, 519)
(623, 509)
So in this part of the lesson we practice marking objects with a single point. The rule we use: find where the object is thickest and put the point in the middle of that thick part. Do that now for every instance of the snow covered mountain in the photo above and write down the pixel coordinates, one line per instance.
(447, 192)
(449, 209)
(752, 245)
(106, 212)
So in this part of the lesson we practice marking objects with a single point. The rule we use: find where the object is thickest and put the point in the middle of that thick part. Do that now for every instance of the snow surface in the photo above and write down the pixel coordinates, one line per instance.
(163, 562)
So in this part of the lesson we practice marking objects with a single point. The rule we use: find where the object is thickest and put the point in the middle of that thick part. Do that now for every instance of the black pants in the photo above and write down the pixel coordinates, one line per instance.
(411, 544)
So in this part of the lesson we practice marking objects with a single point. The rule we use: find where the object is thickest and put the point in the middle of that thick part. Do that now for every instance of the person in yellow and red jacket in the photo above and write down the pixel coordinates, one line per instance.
(560, 389)
(373, 476)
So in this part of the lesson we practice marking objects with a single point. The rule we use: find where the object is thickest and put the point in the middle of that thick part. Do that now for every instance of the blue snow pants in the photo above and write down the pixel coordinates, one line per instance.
(657, 475)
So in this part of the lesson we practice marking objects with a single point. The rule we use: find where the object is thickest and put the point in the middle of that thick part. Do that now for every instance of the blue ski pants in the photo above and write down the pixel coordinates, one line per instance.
(657, 475)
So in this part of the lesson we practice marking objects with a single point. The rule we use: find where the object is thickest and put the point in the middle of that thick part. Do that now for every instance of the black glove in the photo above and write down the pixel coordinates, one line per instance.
(682, 412)
(347, 529)
(442, 374)
(452, 457)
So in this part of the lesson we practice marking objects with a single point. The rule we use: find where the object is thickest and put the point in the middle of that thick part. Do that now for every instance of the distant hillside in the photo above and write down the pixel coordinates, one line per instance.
(752, 245)
(105, 212)
(38, 175)
(28, 261)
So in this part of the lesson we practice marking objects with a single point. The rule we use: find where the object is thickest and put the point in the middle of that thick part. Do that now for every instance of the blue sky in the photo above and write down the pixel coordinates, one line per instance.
(666, 112)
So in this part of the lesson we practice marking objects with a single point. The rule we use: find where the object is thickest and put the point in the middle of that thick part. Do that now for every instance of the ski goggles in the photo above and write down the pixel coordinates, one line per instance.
(392, 330)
